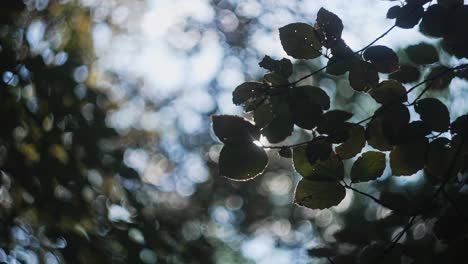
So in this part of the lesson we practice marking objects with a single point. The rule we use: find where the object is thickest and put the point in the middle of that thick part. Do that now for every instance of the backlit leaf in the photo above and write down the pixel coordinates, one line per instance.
(354, 144)
(230, 128)
(300, 40)
(434, 21)
(368, 167)
(318, 149)
(319, 195)
(249, 95)
(375, 135)
(440, 77)
(409, 15)
(331, 169)
(242, 162)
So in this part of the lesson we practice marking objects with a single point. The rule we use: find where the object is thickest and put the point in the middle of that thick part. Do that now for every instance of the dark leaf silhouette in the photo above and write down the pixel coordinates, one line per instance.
(440, 77)
(282, 67)
(234, 129)
(422, 53)
(393, 12)
(363, 76)
(434, 113)
(337, 66)
(407, 159)
(383, 58)
(389, 91)
(460, 125)
(318, 149)
(375, 135)
(300, 41)
(434, 21)
(329, 27)
(410, 14)
(242, 162)
(395, 117)
(249, 95)
(406, 74)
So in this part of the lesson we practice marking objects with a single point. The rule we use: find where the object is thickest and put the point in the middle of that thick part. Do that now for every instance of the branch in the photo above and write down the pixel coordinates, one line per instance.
(373, 198)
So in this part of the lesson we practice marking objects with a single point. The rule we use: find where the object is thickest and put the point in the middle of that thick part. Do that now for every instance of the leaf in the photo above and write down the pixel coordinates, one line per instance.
(442, 76)
(383, 58)
(312, 94)
(242, 162)
(263, 114)
(369, 166)
(395, 117)
(422, 53)
(249, 95)
(300, 41)
(275, 79)
(434, 21)
(337, 66)
(375, 135)
(389, 91)
(409, 15)
(321, 252)
(230, 128)
(406, 74)
(331, 169)
(439, 158)
(414, 130)
(393, 12)
(354, 144)
(333, 124)
(460, 125)
(363, 76)
(318, 149)
(450, 3)
(329, 27)
(319, 195)
(407, 159)
(434, 113)
(283, 67)
(281, 126)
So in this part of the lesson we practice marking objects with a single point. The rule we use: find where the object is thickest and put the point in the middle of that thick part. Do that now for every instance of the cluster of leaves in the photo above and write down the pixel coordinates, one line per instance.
(278, 104)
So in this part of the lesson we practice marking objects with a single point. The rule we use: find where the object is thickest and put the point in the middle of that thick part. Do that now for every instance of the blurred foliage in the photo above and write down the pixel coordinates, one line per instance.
(425, 225)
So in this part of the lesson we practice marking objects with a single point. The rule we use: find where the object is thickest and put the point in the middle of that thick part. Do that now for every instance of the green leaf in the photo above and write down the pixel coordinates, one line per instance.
(275, 79)
(319, 195)
(383, 58)
(363, 76)
(422, 53)
(308, 104)
(407, 159)
(230, 128)
(434, 21)
(368, 167)
(249, 95)
(389, 91)
(406, 74)
(434, 113)
(329, 27)
(375, 135)
(300, 41)
(331, 169)
(242, 162)
(354, 144)
(282, 67)
(318, 149)
(333, 124)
